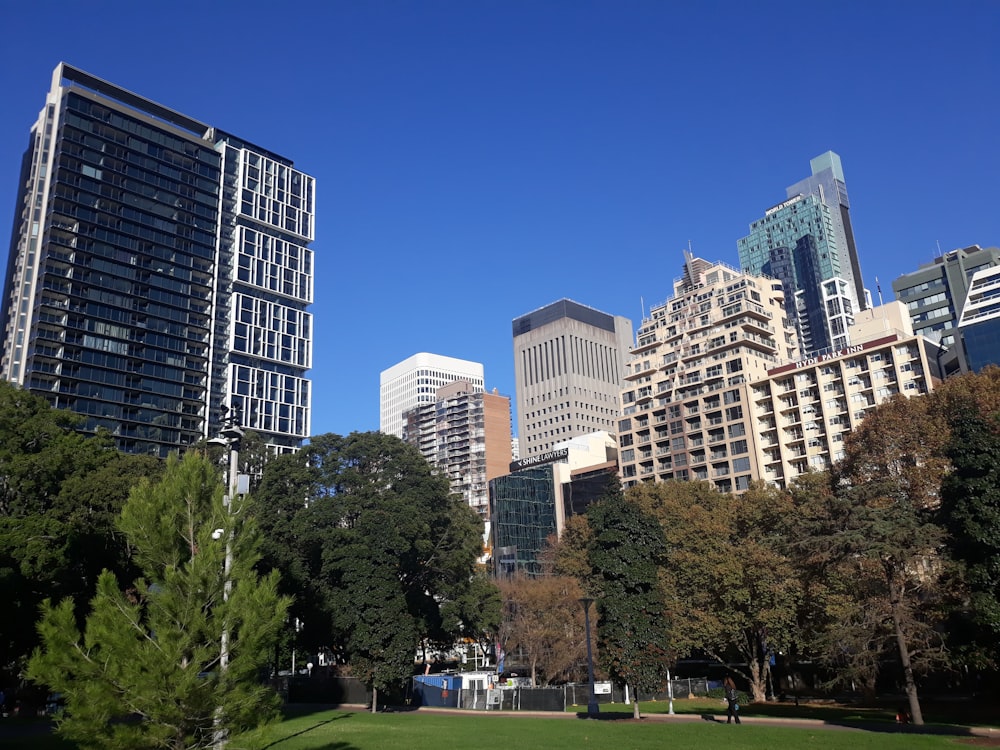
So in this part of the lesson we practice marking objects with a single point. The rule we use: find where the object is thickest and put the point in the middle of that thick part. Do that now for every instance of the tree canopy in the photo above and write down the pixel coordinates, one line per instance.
(382, 551)
(626, 553)
(173, 659)
(60, 495)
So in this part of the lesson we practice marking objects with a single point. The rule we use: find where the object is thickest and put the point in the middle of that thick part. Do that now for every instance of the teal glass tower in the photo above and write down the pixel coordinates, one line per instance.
(807, 242)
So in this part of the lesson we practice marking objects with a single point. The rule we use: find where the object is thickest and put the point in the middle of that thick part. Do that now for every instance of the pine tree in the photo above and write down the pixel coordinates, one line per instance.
(146, 672)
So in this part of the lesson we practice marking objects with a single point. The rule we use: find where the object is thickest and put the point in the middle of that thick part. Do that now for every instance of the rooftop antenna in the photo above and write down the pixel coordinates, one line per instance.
(938, 247)
(879, 288)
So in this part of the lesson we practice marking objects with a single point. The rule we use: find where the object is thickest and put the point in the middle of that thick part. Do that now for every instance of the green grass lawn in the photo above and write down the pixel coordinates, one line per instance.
(339, 730)
(426, 730)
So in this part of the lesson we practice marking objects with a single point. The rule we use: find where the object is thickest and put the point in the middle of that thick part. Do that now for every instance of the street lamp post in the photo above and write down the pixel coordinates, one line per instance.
(230, 436)
(592, 708)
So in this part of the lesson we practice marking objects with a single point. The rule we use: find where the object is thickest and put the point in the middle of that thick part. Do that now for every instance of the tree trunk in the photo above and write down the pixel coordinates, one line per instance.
(916, 716)
(534, 670)
(758, 679)
(635, 708)
(374, 699)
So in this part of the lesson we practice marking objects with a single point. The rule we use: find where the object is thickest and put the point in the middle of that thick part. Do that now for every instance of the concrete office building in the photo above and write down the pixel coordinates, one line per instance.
(466, 434)
(415, 381)
(802, 410)
(685, 399)
(935, 295)
(568, 364)
(159, 273)
(807, 243)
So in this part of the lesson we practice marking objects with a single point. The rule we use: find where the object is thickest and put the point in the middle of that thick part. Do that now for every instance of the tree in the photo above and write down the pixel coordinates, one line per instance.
(842, 622)
(730, 585)
(148, 669)
(626, 554)
(542, 617)
(474, 612)
(60, 494)
(382, 550)
(970, 507)
(882, 525)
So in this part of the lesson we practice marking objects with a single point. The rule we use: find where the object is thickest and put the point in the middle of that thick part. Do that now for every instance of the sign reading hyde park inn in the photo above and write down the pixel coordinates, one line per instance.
(835, 354)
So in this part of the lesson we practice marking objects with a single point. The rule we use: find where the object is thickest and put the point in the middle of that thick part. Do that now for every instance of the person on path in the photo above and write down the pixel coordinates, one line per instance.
(733, 709)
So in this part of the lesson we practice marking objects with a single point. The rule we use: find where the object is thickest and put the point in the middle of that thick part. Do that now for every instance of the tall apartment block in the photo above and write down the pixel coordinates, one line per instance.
(415, 381)
(466, 434)
(686, 399)
(802, 409)
(936, 292)
(159, 273)
(807, 243)
(568, 366)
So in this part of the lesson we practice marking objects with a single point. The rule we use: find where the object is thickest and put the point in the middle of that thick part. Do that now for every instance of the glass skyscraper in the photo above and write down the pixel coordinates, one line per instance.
(807, 242)
(159, 273)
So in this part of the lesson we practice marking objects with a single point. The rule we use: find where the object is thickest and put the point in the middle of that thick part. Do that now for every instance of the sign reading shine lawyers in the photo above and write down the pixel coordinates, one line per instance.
(550, 457)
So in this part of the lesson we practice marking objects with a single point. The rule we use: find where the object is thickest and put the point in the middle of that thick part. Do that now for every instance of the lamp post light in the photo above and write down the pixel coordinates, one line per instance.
(592, 708)
(670, 692)
(230, 437)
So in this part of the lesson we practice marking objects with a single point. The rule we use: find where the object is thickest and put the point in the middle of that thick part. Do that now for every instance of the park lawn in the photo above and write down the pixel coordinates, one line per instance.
(941, 713)
(333, 730)
(701, 706)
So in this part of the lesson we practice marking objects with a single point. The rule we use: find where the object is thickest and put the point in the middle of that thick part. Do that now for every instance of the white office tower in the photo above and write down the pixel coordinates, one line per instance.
(415, 381)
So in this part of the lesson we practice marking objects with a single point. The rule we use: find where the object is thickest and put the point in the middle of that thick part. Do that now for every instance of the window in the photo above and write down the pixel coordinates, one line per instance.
(741, 465)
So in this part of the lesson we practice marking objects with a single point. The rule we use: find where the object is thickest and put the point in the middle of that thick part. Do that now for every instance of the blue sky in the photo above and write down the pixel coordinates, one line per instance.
(476, 160)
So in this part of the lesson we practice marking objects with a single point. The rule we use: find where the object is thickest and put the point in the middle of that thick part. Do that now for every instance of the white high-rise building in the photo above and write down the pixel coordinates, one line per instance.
(415, 381)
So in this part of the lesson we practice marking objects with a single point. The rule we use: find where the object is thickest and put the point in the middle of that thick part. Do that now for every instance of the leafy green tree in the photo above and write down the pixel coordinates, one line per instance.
(474, 612)
(381, 551)
(626, 553)
(174, 660)
(731, 587)
(60, 495)
(883, 526)
(970, 508)
(842, 622)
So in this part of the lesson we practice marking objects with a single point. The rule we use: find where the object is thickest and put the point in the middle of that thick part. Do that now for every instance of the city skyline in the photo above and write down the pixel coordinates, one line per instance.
(478, 162)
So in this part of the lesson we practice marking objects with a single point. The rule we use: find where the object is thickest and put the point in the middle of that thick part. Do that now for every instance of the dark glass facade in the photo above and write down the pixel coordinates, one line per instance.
(123, 300)
(126, 275)
(982, 344)
(523, 516)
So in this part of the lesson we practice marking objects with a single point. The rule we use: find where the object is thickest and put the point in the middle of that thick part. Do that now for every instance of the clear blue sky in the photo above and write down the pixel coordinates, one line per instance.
(476, 159)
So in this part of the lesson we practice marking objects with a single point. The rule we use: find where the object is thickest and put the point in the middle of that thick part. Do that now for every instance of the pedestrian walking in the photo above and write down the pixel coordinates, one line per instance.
(732, 698)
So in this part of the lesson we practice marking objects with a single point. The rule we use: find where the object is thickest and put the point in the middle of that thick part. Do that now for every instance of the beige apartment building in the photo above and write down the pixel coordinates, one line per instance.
(716, 390)
(686, 406)
(803, 409)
